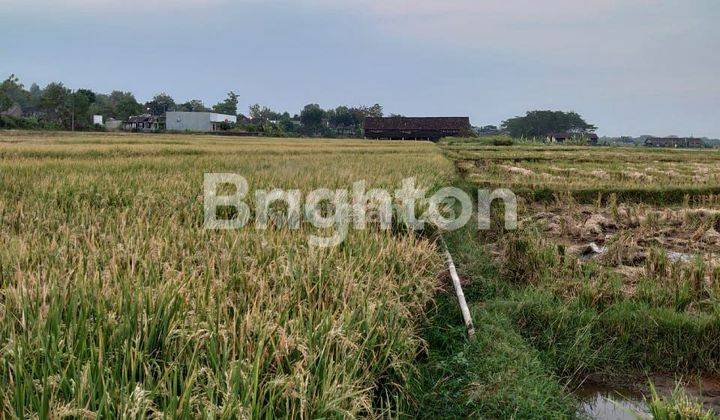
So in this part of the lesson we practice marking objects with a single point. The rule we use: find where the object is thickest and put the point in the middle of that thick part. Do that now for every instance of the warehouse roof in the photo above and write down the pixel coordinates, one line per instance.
(416, 123)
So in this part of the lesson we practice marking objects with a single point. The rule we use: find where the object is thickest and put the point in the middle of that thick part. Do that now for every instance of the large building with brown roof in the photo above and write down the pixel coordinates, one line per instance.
(415, 128)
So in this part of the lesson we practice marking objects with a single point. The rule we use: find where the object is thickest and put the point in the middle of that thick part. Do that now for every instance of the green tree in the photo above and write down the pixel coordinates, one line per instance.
(362, 112)
(258, 112)
(342, 117)
(80, 103)
(56, 104)
(102, 106)
(87, 94)
(286, 124)
(193, 105)
(375, 111)
(544, 123)
(228, 106)
(35, 94)
(263, 113)
(160, 104)
(124, 105)
(311, 118)
(13, 92)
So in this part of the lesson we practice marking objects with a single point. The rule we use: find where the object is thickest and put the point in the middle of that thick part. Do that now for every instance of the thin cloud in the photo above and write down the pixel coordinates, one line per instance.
(104, 6)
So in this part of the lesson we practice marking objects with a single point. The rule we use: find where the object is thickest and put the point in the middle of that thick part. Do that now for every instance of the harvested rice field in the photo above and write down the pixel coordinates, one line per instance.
(625, 236)
(610, 284)
(637, 174)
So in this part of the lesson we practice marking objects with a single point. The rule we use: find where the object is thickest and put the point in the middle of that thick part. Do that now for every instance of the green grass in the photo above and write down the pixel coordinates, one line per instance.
(496, 375)
(677, 406)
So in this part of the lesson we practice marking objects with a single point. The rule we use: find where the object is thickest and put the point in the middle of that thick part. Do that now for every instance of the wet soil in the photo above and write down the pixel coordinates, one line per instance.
(624, 237)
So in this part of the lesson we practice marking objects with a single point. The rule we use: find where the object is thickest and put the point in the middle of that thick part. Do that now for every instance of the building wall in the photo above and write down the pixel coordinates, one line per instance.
(112, 124)
(415, 128)
(433, 135)
(195, 121)
(222, 118)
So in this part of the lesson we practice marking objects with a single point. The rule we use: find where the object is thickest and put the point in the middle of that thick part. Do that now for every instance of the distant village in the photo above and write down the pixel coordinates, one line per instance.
(389, 128)
(380, 128)
(56, 107)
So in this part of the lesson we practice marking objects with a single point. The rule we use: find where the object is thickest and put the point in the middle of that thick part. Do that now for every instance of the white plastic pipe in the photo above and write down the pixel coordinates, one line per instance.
(459, 292)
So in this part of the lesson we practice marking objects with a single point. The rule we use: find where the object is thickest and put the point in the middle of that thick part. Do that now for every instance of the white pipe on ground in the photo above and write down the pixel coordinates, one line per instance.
(458, 291)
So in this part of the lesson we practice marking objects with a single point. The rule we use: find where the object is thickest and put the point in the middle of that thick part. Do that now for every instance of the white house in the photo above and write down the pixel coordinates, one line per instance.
(196, 121)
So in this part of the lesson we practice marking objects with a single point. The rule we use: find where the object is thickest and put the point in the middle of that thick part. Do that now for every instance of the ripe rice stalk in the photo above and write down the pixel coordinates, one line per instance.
(116, 303)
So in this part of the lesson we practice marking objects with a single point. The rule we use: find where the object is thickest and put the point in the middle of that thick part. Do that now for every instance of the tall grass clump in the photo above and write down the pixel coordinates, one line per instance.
(677, 406)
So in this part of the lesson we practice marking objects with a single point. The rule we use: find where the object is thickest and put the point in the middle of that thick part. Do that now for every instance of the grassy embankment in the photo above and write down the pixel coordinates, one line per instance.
(115, 302)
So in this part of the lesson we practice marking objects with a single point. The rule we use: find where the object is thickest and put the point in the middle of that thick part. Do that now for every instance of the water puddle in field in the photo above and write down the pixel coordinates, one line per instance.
(607, 402)
(679, 256)
(591, 251)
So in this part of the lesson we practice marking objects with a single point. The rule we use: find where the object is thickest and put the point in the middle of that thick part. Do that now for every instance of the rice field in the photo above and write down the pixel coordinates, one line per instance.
(629, 224)
(612, 279)
(115, 302)
(634, 173)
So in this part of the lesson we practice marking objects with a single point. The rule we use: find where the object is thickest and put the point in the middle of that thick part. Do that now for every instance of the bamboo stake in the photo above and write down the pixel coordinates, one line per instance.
(458, 291)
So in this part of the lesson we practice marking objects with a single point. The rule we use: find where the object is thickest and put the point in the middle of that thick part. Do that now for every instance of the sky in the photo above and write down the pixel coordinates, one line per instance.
(631, 67)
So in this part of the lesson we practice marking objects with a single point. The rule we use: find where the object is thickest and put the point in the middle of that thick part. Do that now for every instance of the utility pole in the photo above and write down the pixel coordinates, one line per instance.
(73, 111)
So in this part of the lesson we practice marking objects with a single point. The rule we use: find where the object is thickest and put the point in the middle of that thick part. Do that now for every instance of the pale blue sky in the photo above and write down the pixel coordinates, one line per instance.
(629, 66)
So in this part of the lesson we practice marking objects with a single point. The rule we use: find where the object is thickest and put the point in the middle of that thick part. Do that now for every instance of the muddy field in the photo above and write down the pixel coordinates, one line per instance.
(637, 213)
(613, 275)
(627, 237)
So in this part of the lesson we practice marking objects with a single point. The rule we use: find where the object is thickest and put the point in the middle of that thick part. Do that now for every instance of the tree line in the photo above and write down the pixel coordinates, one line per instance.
(540, 124)
(60, 108)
